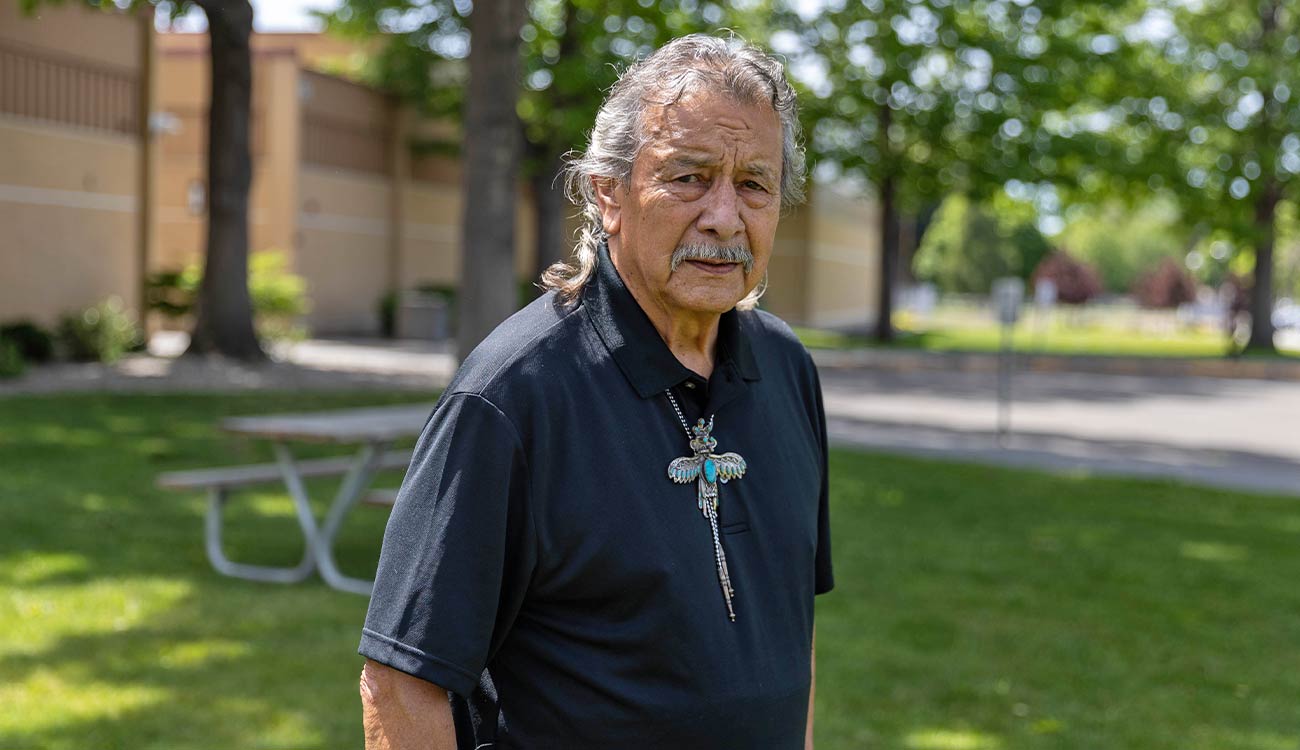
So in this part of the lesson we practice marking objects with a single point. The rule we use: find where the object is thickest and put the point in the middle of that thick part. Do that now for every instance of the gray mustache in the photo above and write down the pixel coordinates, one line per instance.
(731, 254)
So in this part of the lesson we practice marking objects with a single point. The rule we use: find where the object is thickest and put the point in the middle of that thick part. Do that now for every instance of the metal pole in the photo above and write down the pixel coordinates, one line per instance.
(1005, 357)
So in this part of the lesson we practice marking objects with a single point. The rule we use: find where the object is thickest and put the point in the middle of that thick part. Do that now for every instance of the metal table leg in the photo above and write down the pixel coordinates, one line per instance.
(320, 539)
(217, 498)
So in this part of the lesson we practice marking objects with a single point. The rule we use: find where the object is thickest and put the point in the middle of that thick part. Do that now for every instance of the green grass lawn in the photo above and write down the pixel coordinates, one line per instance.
(1081, 341)
(975, 608)
(1093, 339)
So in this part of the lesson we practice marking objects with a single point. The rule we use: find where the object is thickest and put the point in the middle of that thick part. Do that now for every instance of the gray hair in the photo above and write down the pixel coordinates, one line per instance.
(733, 66)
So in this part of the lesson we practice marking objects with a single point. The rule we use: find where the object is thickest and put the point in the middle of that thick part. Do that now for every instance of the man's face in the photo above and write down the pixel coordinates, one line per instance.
(709, 175)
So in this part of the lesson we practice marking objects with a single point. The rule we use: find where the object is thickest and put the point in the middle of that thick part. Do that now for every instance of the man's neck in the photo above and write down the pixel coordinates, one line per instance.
(692, 341)
(692, 337)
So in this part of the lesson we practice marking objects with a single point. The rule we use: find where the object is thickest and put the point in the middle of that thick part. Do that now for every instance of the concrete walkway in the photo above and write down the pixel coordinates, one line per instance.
(317, 364)
(1230, 433)
(1235, 433)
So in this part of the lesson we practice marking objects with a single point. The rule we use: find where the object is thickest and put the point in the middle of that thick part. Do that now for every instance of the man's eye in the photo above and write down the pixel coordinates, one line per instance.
(754, 185)
(688, 178)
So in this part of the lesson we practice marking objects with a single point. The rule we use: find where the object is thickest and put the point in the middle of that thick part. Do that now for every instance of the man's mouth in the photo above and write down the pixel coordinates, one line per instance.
(713, 266)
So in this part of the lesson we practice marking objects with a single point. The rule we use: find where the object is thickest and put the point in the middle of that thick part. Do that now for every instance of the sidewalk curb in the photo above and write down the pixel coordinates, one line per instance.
(980, 362)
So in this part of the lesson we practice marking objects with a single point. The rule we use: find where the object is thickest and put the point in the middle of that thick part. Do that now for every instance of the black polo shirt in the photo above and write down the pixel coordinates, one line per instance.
(540, 565)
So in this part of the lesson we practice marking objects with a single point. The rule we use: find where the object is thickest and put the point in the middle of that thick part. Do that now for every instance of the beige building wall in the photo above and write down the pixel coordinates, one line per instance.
(825, 261)
(182, 185)
(181, 200)
(431, 238)
(68, 207)
(843, 259)
(348, 194)
(431, 234)
(343, 230)
(74, 31)
(70, 159)
(274, 201)
(787, 278)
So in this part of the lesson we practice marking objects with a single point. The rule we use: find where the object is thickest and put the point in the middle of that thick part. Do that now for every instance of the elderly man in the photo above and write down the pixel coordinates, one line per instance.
(616, 521)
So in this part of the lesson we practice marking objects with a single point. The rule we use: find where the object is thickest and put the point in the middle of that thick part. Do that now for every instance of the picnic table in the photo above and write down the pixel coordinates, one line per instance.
(372, 430)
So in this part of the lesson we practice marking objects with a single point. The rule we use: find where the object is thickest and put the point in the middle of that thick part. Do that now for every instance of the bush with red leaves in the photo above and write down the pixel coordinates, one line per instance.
(1238, 291)
(1167, 285)
(1076, 282)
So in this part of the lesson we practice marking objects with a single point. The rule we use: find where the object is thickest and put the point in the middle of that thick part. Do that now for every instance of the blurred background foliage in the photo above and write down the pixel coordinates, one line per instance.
(969, 245)
(1124, 132)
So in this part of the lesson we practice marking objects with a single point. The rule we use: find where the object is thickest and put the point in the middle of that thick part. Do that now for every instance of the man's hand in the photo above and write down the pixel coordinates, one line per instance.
(401, 712)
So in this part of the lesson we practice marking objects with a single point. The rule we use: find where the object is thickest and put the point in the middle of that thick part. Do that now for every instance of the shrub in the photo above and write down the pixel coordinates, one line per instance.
(172, 293)
(968, 245)
(1122, 242)
(100, 333)
(277, 295)
(34, 343)
(1076, 282)
(11, 358)
(1167, 285)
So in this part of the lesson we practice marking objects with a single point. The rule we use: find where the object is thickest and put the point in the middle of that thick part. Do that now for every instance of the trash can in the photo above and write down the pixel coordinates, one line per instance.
(423, 315)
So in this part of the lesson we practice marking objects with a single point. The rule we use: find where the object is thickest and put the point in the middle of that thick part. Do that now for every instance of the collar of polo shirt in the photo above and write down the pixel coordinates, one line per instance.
(637, 347)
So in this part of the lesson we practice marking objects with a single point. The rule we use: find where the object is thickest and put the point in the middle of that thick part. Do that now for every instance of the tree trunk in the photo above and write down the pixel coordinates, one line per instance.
(488, 293)
(548, 195)
(224, 317)
(887, 231)
(1261, 293)
(888, 259)
(548, 185)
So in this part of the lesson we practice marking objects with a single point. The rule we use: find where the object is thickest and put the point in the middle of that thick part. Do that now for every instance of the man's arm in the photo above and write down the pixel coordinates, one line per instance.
(401, 712)
(812, 689)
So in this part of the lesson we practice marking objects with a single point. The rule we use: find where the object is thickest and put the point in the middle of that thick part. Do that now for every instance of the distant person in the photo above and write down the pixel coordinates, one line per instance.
(615, 521)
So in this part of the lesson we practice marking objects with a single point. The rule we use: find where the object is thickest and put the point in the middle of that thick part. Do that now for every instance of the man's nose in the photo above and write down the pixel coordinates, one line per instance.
(720, 217)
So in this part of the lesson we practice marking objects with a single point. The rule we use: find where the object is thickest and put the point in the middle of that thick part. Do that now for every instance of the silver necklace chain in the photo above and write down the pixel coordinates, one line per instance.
(680, 417)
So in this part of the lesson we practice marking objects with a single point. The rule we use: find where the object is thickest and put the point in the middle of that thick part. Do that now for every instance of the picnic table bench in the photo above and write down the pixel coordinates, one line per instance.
(373, 430)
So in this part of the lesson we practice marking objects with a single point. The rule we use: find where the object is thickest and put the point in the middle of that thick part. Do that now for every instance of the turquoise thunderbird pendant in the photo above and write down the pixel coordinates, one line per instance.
(707, 469)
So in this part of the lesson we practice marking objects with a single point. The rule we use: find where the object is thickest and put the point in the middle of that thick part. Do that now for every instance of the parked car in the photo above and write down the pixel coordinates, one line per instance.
(1286, 314)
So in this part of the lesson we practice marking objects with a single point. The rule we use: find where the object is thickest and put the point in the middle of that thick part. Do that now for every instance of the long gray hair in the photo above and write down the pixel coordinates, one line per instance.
(734, 67)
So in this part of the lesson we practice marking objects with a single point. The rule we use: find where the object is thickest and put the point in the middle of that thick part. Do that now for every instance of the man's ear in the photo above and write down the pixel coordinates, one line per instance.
(609, 199)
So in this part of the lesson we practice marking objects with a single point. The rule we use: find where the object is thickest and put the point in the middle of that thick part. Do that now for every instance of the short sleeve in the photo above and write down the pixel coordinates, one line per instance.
(824, 575)
(458, 550)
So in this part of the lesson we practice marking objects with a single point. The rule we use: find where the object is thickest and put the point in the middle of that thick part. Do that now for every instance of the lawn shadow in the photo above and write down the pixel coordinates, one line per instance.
(229, 664)
(119, 634)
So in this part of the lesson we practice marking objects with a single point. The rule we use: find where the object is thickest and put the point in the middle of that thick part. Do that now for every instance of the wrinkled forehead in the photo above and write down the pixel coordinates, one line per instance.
(705, 127)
